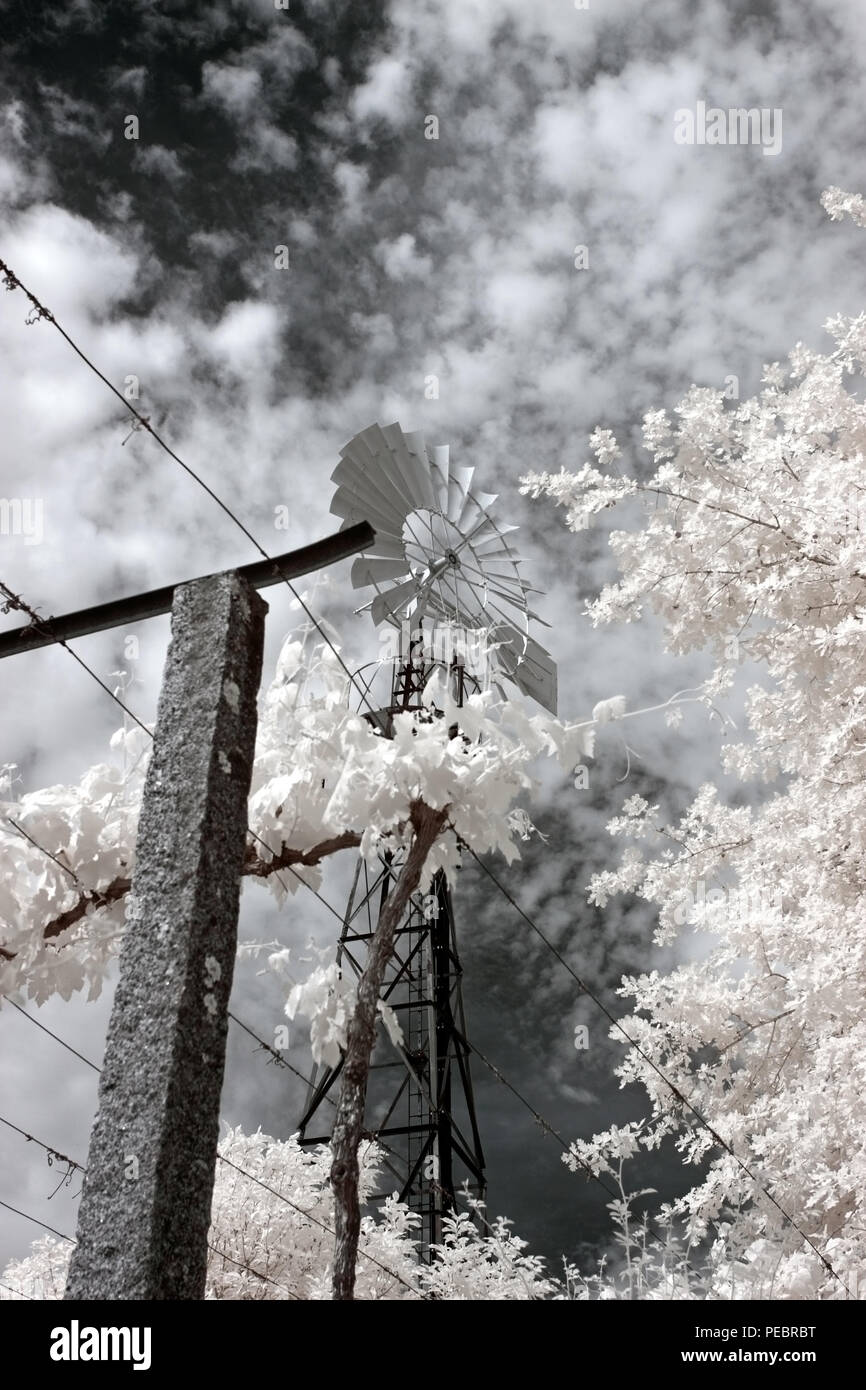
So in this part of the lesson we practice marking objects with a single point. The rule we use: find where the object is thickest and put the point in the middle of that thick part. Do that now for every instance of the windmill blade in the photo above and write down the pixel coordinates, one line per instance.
(385, 547)
(421, 531)
(439, 474)
(372, 570)
(514, 596)
(366, 494)
(389, 547)
(351, 508)
(490, 538)
(415, 469)
(353, 471)
(487, 537)
(371, 452)
(483, 582)
(504, 567)
(527, 664)
(392, 603)
(475, 509)
(536, 617)
(459, 482)
(536, 676)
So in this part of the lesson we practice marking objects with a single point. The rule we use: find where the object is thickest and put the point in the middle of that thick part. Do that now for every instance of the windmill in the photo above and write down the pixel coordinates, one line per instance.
(446, 584)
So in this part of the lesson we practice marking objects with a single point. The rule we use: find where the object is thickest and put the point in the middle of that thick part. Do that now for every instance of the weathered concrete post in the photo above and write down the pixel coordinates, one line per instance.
(145, 1207)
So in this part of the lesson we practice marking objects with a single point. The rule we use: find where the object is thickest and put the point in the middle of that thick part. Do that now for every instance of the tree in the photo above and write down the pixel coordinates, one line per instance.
(752, 543)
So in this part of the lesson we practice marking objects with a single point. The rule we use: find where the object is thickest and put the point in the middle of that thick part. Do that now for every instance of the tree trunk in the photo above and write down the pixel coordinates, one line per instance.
(361, 1036)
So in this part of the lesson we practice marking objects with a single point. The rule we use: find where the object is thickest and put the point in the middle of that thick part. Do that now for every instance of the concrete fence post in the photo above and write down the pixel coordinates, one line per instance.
(145, 1207)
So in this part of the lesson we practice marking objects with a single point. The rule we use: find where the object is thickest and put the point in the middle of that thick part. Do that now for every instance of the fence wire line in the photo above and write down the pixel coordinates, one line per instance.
(308, 1216)
(364, 1255)
(18, 1293)
(52, 1152)
(36, 1022)
(546, 1126)
(675, 1090)
(26, 608)
(55, 1153)
(37, 1222)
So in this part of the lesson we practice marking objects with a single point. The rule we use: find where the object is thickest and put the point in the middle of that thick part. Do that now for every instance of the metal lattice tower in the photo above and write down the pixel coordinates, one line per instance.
(420, 1103)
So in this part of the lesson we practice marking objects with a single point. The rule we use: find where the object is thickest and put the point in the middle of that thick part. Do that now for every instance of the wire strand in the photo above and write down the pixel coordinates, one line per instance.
(362, 1254)
(275, 1055)
(18, 1293)
(250, 1269)
(47, 852)
(37, 1222)
(55, 1153)
(37, 1024)
(14, 600)
(52, 1152)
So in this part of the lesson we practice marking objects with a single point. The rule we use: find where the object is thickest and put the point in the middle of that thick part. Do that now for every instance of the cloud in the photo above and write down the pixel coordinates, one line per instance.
(246, 339)
(133, 80)
(385, 93)
(401, 260)
(236, 89)
(156, 159)
(266, 148)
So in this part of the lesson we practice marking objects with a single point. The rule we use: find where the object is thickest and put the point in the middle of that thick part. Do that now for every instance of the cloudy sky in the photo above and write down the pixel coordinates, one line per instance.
(409, 258)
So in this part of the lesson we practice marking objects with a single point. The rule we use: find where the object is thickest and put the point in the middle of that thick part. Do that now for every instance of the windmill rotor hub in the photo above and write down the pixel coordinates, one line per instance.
(439, 552)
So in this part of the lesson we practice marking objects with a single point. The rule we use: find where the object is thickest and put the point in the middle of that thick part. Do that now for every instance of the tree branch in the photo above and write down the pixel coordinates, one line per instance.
(117, 889)
(253, 865)
(361, 1036)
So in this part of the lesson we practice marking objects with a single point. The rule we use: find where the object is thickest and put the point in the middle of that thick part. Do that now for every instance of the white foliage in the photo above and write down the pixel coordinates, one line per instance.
(753, 545)
(320, 770)
(606, 710)
(326, 998)
(90, 830)
(284, 1232)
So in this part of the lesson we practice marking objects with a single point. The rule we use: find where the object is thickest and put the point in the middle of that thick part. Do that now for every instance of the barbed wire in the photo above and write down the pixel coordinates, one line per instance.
(15, 601)
(18, 1293)
(55, 1153)
(36, 1221)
